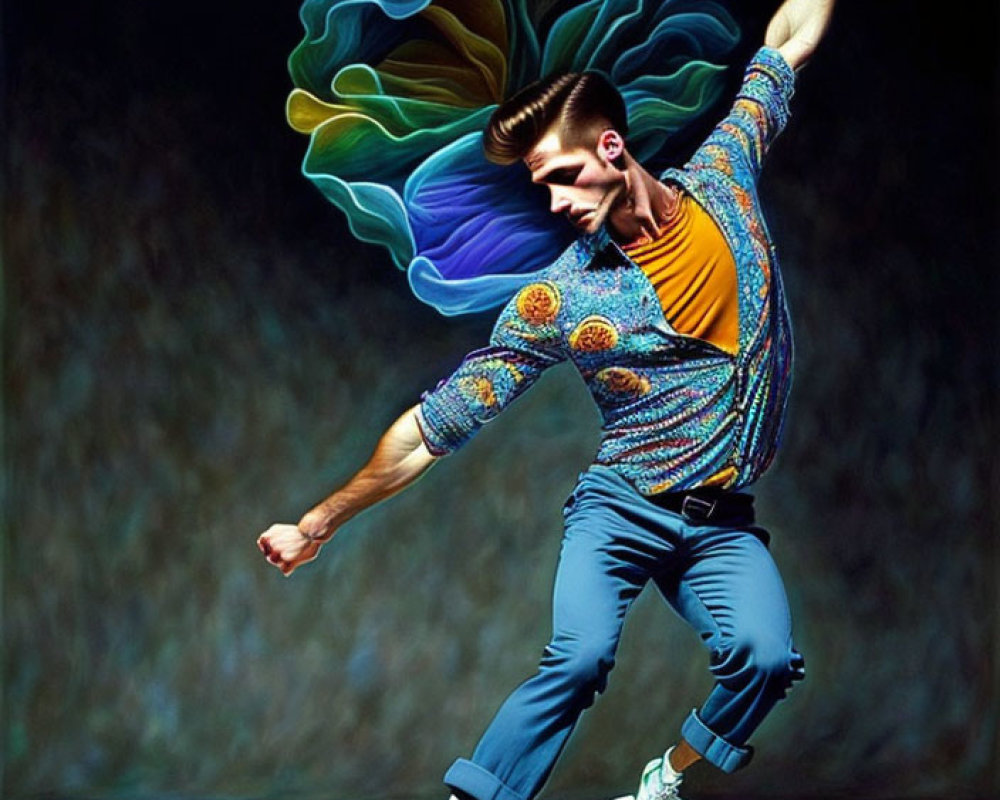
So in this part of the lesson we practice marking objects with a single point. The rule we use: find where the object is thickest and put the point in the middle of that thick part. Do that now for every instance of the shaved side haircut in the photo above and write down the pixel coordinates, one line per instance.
(579, 105)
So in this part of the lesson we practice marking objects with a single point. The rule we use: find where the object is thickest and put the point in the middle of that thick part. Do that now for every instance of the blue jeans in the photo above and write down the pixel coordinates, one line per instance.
(718, 576)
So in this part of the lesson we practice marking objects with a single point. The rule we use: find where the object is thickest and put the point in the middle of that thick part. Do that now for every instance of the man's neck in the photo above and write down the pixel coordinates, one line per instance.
(645, 209)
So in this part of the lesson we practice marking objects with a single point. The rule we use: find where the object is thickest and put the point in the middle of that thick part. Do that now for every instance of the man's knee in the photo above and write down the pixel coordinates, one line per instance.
(582, 666)
(767, 660)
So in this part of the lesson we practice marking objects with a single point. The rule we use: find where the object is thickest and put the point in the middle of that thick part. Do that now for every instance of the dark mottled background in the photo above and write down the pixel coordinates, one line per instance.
(193, 347)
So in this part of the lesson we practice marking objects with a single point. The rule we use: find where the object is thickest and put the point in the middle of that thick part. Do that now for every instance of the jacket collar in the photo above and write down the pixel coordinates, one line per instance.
(600, 250)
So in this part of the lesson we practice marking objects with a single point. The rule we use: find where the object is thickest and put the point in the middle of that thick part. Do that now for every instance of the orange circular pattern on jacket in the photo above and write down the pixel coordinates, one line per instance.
(480, 388)
(484, 390)
(594, 334)
(539, 303)
(623, 381)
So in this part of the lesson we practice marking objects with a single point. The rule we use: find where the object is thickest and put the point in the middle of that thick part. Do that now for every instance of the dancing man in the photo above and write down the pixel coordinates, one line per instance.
(670, 305)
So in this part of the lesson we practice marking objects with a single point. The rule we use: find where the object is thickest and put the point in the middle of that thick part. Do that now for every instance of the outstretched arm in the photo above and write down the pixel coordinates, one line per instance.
(399, 459)
(525, 342)
(740, 141)
(796, 28)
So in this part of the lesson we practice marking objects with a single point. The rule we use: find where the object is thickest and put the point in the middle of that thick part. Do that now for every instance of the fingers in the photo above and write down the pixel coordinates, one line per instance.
(272, 554)
(286, 547)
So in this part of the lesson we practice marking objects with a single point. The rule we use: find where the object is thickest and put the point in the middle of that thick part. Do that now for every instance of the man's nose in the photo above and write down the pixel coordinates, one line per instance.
(559, 202)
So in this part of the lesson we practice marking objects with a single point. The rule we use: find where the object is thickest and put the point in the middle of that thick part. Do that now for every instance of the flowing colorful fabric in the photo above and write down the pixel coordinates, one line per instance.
(394, 95)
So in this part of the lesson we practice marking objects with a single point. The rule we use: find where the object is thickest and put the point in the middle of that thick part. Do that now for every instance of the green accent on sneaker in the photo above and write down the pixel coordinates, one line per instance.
(659, 781)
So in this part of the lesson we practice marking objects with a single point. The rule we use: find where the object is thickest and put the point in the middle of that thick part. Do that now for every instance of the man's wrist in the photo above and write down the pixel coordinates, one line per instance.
(319, 523)
(318, 539)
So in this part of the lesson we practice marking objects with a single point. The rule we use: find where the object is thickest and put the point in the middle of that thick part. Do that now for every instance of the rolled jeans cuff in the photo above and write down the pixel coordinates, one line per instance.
(472, 780)
(713, 748)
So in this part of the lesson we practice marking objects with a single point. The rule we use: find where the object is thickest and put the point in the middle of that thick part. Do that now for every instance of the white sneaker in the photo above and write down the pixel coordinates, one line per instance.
(659, 781)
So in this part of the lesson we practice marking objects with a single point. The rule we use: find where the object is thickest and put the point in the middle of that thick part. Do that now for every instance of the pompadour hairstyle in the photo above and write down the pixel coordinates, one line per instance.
(576, 102)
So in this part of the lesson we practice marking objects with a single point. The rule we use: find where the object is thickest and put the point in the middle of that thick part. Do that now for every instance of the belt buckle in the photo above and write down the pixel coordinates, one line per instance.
(694, 507)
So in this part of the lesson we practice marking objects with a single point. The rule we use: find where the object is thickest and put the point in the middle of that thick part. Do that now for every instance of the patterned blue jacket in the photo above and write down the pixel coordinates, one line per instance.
(678, 411)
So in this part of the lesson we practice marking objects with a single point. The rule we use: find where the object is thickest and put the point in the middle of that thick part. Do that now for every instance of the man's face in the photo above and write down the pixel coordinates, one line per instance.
(583, 183)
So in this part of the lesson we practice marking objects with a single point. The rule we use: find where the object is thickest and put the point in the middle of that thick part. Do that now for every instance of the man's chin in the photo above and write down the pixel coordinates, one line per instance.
(588, 223)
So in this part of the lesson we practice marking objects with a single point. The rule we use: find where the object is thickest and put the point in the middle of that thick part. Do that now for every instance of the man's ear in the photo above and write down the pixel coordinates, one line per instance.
(611, 146)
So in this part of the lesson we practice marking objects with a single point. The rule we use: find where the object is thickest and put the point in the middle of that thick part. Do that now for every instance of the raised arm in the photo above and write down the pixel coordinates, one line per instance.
(738, 144)
(797, 27)
(399, 459)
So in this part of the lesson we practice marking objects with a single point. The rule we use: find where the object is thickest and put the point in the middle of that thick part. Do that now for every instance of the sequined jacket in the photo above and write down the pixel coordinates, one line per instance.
(678, 412)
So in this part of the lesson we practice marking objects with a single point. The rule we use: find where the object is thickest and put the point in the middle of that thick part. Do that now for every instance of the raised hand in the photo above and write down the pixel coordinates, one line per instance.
(797, 27)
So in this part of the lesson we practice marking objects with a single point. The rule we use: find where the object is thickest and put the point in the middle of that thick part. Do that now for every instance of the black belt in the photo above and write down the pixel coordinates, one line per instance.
(706, 504)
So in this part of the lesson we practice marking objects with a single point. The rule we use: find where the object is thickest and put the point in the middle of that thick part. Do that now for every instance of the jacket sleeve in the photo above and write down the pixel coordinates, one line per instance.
(738, 144)
(526, 340)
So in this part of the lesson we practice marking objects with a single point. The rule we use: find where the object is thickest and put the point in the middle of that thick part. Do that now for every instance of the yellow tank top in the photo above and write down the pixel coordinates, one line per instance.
(694, 275)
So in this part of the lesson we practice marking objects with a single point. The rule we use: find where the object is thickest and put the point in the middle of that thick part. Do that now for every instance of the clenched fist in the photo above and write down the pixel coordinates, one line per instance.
(287, 547)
